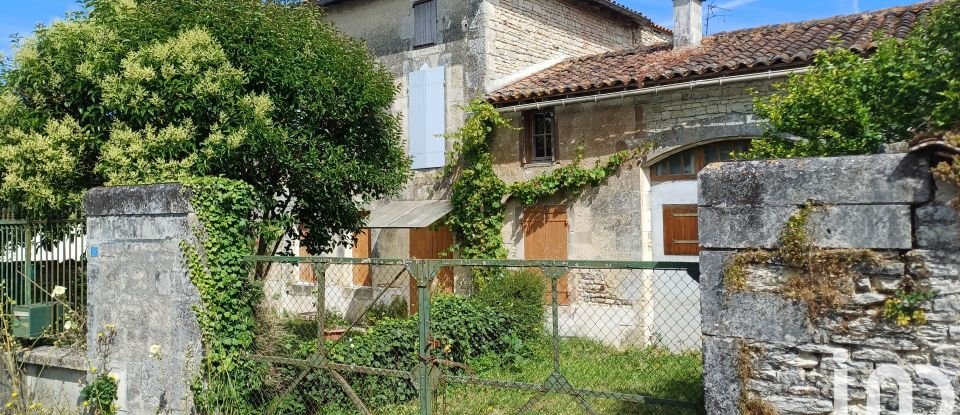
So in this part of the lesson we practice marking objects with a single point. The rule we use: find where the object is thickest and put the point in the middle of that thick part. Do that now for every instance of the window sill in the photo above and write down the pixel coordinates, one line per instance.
(539, 164)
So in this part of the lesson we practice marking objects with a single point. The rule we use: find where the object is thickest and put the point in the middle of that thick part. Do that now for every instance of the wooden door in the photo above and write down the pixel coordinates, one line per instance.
(362, 273)
(426, 243)
(680, 232)
(545, 237)
(306, 269)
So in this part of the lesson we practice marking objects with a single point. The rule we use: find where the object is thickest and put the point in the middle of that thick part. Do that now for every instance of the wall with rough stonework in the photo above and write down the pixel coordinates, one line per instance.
(137, 281)
(615, 220)
(523, 33)
(763, 349)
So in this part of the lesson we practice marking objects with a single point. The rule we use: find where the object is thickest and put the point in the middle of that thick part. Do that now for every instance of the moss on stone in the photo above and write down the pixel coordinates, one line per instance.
(750, 403)
(827, 277)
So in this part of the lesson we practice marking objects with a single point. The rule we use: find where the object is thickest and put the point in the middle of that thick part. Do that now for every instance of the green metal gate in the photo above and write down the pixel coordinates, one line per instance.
(623, 337)
(42, 271)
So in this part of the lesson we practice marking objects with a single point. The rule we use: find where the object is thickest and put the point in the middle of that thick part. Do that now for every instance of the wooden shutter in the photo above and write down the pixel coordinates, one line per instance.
(545, 237)
(427, 118)
(305, 268)
(680, 233)
(426, 243)
(425, 23)
(362, 274)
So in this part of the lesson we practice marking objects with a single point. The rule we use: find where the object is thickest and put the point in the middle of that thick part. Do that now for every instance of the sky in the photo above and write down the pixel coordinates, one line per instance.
(21, 16)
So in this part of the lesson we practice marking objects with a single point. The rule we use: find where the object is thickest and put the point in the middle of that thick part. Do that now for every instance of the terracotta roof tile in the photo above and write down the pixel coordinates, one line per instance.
(760, 48)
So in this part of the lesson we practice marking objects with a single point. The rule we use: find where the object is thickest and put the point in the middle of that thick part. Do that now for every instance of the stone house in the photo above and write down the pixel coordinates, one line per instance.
(445, 53)
(596, 75)
(692, 101)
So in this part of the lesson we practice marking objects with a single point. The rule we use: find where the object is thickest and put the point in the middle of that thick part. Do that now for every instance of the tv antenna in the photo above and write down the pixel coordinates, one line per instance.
(714, 11)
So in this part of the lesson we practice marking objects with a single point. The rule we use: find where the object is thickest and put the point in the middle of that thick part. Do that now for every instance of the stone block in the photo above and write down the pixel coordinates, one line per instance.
(756, 316)
(157, 199)
(938, 227)
(876, 355)
(843, 226)
(874, 179)
(721, 383)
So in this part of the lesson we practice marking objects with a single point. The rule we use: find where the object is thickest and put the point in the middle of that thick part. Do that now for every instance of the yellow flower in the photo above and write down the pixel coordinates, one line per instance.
(9, 405)
(114, 377)
(447, 349)
(86, 403)
(14, 395)
(919, 317)
(155, 351)
(93, 370)
(903, 320)
(110, 327)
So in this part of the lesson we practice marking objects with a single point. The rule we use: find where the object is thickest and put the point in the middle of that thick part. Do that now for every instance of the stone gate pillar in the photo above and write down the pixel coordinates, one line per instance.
(138, 283)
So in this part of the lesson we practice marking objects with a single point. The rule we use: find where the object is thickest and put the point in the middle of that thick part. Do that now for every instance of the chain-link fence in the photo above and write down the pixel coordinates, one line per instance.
(480, 337)
(43, 274)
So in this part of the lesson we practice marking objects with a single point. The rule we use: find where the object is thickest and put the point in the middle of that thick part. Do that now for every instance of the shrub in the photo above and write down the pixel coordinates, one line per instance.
(518, 294)
(151, 91)
(464, 329)
(397, 308)
(100, 395)
(849, 104)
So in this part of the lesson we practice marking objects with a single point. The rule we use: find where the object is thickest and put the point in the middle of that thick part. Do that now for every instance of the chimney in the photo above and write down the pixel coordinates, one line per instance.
(687, 23)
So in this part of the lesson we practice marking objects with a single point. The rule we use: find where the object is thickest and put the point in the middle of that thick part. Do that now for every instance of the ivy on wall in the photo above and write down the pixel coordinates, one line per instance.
(479, 195)
(218, 269)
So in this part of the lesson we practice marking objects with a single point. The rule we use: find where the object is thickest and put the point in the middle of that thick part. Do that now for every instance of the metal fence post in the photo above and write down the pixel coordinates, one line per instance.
(320, 274)
(29, 274)
(424, 272)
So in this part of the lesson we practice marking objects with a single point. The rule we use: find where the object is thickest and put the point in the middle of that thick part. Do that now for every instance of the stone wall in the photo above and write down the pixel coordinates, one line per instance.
(51, 376)
(523, 33)
(614, 221)
(137, 281)
(764, 351)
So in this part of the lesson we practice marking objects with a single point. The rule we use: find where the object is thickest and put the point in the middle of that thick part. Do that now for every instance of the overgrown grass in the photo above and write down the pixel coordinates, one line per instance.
(652, 372)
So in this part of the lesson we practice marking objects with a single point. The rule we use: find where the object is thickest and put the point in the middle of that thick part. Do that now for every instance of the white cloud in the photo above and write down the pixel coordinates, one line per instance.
(732, 4)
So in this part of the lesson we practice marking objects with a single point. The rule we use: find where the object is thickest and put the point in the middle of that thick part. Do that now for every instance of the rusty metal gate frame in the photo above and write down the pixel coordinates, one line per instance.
(427, 374)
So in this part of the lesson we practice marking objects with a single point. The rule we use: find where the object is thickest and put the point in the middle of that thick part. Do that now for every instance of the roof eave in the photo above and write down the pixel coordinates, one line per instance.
(546, 99)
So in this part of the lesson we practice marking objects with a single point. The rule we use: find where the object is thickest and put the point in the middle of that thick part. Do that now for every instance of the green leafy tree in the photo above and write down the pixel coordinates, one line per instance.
(850, 104)
(129, 92)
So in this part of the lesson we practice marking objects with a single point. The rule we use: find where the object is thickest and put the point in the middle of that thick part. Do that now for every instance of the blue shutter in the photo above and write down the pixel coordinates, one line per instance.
(427, 118)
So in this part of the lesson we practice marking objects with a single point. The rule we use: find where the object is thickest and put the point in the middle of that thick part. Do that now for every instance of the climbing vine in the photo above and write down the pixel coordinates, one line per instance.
(567, 179)
(478, 195)
(220, 272)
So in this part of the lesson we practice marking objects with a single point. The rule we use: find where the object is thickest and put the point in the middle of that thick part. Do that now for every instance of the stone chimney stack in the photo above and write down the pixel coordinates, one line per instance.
(687, 23)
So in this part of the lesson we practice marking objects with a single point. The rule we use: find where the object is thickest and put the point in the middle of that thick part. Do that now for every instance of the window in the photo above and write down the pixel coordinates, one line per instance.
(686, 164)
(540, 140)
(425, 23)
(680, 233)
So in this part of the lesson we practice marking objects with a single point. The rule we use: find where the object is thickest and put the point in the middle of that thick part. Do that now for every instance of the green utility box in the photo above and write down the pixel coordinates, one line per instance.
(30, 321)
